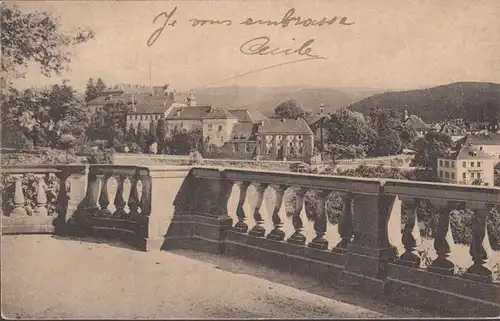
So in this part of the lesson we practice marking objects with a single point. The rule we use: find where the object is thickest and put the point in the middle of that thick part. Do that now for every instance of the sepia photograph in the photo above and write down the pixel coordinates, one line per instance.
(250, 159)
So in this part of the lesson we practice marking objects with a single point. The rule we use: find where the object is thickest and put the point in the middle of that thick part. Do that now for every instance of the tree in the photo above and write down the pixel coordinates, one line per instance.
(152, 138)
(90, 90)
(387, 124)
(140, 137)
(162, 134)
(44, 114)
(183, 142)
(35, 37)
(289, 109)
(430, 147)
(100, 86)
(130, 137)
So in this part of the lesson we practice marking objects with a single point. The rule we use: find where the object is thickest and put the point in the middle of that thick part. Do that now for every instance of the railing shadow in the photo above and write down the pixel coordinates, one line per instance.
(114, 242)
(308, 284)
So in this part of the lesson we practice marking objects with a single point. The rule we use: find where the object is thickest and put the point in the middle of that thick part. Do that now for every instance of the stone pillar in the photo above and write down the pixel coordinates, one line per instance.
(369, 253)
(74, 202)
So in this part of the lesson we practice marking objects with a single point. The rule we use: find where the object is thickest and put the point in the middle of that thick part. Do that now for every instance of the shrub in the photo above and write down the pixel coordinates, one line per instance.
(66, 141)
(56, 156)
(18, 140)
(134, 148)
(106, 156)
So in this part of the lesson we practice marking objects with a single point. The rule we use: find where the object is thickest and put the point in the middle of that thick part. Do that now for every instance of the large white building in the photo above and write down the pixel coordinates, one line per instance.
(466, 166)
(486, 142)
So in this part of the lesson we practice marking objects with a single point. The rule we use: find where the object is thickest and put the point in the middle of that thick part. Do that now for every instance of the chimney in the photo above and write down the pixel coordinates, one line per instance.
(321, 109)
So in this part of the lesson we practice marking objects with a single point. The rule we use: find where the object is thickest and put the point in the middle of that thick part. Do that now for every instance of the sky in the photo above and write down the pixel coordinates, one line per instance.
(391, 44)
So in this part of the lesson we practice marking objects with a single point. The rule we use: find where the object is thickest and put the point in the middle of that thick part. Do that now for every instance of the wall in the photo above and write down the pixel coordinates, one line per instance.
(216, 136)
(276, 141)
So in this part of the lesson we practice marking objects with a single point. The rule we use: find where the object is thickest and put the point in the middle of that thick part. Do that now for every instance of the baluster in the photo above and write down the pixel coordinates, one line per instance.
(297, 237)
(241, 226)
(277, 234)
(258, 229)
(319, 242)
(104, 196)
(18, 200)
(41, 197)
(479, 247)
(92, 195)
(345, 225)
(119, 200)
(443, 240)
(411, 234)
(146, 195)
(133, 198)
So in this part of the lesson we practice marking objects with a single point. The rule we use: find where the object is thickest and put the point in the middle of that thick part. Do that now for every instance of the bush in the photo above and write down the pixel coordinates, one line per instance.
(66, 141)
(134, 148)
(18, 140)
(106, 156)
(56, 156)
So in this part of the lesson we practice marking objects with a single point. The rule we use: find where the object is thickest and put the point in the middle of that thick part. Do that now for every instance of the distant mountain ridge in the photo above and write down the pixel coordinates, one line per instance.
(265, 99)
(472, 101)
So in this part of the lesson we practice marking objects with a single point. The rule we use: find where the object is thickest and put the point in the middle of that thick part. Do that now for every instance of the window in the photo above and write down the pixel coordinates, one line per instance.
(279, 137)
(471, 164)
(236, 148)
(446, 175)
(464, 176)
(478, 175)
(268, 150)
(464, 165)
(453, 164)
(220, 127)
(452, 175)
(446, 164)
(300, 137)
(440, 173)
(441, 163)
(247, 148)
(480, 147)
(210, 127)
(290, 144)
(478, 164)
(471, 175)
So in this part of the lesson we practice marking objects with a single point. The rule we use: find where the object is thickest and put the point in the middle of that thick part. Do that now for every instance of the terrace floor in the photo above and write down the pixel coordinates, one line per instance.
(49, 277)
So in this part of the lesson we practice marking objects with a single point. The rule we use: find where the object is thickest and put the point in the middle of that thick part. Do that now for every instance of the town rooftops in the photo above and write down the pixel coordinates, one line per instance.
(247, 115)
(218, 113)
(468, 152)
(285, 126)
(199, 113)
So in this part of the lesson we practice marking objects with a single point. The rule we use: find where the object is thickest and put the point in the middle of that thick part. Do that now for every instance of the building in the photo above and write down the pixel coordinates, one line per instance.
(218, 126)
(285, 139)
(486, 142)
(455, 132)
(467, 165)
(417, 124)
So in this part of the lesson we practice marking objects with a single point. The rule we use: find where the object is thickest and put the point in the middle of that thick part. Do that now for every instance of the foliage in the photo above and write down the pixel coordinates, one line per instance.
(30, 188)
(18, 140)
(35, 37)
(289, 109)
(226, 152)
(134, 148)
(493, 226)
(387, 124)
(338, 151)
(430, 147)
(106, 156)
(43, 115)
(66, 141)
(461, 223)
(162, 133)
(183, 141)
(92, 90)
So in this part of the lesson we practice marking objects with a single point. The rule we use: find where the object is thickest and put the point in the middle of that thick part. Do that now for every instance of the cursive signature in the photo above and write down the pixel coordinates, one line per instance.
(260, 46)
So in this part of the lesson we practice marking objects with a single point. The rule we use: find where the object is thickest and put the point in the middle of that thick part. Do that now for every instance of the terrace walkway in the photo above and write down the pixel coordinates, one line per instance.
(50, 277)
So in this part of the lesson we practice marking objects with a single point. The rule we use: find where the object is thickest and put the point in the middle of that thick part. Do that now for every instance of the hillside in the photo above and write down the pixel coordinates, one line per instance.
(473, 101)
(265, 99)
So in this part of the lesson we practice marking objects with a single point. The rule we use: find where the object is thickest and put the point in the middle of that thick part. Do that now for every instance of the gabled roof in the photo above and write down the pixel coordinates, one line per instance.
(192, 113)
(451, 127)
(151, 104)
(483, 139)
(247, 115)
(285, 126)
(468, 152)
(416, 123)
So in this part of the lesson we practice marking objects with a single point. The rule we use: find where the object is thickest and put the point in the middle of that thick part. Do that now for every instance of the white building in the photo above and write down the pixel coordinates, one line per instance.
(486, 142)
(467, 165)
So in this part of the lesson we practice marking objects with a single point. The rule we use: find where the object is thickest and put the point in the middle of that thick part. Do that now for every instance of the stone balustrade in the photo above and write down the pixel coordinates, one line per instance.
(17, 217)
(241, 213)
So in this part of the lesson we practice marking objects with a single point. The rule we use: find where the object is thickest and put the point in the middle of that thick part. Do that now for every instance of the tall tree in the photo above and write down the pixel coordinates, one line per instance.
(35, 37)
(387, 123)
(289, 109)
(162, 134)
(91, 90)
(430, 147)
(141, 137)
(100, 86)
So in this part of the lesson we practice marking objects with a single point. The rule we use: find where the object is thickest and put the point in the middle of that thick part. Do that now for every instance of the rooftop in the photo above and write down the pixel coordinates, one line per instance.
(247, 115)
(77, 278)
(285, 126)
(484, 139)
(416, 123)
(469, 152)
